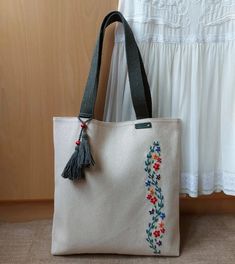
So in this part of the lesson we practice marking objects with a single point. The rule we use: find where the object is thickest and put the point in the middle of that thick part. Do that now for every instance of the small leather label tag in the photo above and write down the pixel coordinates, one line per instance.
(143, 125)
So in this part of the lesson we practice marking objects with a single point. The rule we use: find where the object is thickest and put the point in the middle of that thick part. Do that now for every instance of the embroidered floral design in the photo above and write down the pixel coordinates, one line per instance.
(217, 12)
(156, 228)
(187, 20)
(171, 13)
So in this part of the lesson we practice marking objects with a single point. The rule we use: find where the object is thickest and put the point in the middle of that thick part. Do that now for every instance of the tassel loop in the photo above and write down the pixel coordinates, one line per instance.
(81, 158)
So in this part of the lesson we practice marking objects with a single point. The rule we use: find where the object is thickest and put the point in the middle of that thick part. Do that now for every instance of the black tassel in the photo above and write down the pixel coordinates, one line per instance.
(73, 170)
(80, 159)
(85, 155)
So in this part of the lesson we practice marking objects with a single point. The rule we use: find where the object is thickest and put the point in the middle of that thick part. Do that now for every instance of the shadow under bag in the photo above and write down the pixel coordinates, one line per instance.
(117, 184)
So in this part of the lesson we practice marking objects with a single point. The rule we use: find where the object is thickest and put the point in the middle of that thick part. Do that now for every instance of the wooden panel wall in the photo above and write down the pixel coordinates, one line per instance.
(45, 52)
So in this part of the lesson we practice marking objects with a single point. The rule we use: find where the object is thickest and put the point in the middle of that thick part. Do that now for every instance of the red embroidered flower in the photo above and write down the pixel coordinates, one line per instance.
(151, 190)
(159, 159)
(156, 233)
(156, 166)
(154, 156)
(161, 225)
(163, 230)
(153, 200)
(149, 196)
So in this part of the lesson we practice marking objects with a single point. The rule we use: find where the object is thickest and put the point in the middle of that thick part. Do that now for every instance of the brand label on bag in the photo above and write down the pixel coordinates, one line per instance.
(143, 125)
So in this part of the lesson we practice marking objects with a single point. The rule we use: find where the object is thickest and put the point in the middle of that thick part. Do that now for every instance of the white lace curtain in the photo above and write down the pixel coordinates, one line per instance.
(188, 48)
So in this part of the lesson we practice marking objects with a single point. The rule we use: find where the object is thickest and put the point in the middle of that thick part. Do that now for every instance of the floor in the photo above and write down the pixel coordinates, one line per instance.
(204, 239)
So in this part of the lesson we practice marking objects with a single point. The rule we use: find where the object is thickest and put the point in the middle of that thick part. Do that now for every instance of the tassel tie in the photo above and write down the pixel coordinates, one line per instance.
(81, 158)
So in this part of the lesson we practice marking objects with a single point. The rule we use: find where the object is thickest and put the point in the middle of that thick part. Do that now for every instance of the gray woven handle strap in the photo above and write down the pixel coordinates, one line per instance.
(140, 92)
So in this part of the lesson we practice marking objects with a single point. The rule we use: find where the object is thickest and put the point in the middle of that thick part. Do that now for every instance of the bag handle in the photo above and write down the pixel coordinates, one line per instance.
(140, 92)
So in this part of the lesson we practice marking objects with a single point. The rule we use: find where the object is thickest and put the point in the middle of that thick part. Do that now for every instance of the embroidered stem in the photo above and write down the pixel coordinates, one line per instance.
(156, 228)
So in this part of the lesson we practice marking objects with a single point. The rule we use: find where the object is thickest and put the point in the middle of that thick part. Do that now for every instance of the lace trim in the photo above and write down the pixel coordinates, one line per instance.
(162, 38)
(177, 12)
(217, 188)
(181, 20)
(210, 182)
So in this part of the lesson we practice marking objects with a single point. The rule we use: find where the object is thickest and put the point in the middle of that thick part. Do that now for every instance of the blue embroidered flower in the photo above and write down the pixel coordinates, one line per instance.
(162, 215)
(158, 149)
(147, 183)
(159, 243)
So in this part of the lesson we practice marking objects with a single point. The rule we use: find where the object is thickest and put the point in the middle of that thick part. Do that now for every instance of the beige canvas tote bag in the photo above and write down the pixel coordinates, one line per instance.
(117, 184)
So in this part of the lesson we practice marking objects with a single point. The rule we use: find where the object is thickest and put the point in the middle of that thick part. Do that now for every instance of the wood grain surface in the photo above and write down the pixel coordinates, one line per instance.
(45, 52)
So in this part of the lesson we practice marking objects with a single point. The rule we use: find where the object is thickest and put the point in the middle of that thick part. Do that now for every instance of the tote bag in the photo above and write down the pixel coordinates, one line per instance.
(117, 184)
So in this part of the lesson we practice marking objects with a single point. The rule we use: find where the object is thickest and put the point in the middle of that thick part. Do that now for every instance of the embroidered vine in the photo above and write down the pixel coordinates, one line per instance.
(156, 227)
